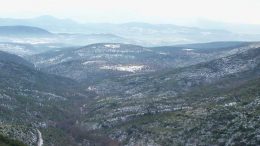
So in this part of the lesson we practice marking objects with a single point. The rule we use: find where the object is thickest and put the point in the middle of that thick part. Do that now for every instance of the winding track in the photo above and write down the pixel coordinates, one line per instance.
(40, 140)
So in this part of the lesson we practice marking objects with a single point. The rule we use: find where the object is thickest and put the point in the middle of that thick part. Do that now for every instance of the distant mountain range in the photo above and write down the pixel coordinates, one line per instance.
(252, 29)
(29, 35)
(136, 33)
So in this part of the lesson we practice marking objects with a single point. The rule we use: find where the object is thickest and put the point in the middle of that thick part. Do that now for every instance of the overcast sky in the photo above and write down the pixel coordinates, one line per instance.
(117, 11)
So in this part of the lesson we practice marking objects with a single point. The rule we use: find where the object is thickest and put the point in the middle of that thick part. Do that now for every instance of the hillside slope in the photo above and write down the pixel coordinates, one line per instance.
(32, 101)
(179, 107)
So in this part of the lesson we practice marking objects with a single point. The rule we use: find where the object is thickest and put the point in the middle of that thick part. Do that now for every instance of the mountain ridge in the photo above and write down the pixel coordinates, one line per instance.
(140, 33)
(22, 30)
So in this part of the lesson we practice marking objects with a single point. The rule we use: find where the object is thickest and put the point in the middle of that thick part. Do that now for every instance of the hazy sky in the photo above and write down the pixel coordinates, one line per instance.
(156, 11)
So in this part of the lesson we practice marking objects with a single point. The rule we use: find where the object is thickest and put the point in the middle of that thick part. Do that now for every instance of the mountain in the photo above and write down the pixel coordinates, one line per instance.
(144, 34)
(22, 31)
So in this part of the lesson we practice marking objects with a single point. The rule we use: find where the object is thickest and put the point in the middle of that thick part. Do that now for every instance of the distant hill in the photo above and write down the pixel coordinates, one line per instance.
(104, 60)
(20, 30)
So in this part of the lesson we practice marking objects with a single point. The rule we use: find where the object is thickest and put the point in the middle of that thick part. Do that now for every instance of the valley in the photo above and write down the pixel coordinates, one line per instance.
(124, 94)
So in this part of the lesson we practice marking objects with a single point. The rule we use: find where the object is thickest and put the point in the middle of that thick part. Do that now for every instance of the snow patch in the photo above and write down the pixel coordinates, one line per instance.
(163, 53)
(187, 49)
(113, 46)
(230, 104)
(126, 68)
(93, 62)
